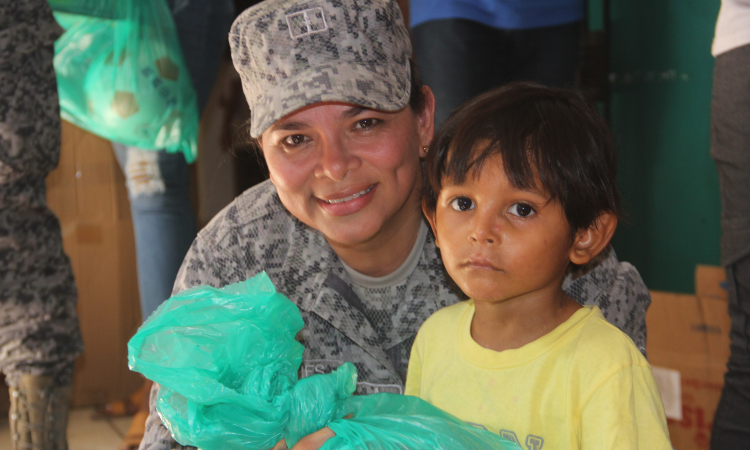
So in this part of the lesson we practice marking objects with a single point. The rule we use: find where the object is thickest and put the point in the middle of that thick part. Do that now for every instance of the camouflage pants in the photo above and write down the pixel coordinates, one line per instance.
(39, 332)
(38, 322)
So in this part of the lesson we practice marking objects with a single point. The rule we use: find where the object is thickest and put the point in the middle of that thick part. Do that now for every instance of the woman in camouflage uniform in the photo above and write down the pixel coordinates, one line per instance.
(343, 123)
(39, 335)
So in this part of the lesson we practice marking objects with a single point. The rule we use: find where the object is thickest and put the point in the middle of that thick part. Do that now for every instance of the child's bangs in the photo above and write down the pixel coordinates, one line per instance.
(516, 136)
(548, 139)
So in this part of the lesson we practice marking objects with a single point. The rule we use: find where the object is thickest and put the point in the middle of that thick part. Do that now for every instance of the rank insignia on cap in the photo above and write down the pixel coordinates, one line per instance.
(350, 51)
(303, 23)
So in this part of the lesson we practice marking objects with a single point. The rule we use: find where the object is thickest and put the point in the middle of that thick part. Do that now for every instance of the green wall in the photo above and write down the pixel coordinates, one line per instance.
(660, 77)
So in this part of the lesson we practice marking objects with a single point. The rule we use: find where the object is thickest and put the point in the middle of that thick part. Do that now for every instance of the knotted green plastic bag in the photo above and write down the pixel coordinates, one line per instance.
(227, 362)
(397, 422)
(121, 74)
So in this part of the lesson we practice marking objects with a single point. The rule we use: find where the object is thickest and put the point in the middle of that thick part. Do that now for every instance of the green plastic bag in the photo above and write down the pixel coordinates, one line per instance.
(227, 362)
(121, 74)
(396, 422)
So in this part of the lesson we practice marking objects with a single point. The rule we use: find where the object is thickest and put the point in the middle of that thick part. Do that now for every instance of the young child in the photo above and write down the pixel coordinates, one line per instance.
(520, 185)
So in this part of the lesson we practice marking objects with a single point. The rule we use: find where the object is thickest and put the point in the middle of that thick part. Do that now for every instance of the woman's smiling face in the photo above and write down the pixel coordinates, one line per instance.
(350, 172)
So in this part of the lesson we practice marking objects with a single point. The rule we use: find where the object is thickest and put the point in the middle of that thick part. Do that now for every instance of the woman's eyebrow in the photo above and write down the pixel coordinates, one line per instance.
(288, 126)
(354, 111)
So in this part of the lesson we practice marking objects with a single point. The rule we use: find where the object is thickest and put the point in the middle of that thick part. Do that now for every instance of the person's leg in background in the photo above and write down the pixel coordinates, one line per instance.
(457, 58)
(460, 59)
(39, 332)
(164, 226)
(546, 55)
(163, 219)
(158, 182)
(203, 31)
(730, 150)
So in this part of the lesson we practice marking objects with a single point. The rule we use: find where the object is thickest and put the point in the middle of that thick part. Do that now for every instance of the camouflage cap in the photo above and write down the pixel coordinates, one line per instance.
(293, 53)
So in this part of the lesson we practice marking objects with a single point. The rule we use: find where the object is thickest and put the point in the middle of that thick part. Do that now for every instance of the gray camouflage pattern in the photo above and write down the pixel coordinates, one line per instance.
(256, 233)
(39, 332)
(617, 289)
(293, 53)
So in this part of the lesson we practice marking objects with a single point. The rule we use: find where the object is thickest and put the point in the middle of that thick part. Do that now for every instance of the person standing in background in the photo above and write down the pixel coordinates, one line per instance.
(463, 48)
(158, 182)
(730, 150)
(39, 333)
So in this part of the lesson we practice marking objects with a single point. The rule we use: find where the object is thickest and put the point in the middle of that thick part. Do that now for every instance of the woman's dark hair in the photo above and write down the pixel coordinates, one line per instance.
(416, 98)
(552, 134)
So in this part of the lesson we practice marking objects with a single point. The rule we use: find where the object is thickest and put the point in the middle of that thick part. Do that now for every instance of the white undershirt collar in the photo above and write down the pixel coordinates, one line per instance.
(398, 275)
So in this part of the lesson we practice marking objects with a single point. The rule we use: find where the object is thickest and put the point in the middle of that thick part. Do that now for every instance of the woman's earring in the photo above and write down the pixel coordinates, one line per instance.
(425, 149)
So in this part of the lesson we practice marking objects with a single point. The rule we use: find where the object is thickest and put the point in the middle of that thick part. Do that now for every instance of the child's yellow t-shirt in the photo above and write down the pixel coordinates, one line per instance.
(584, 385)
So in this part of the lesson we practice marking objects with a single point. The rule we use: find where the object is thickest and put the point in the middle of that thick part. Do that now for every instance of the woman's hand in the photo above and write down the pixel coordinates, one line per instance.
(315, 440)
(312, 441)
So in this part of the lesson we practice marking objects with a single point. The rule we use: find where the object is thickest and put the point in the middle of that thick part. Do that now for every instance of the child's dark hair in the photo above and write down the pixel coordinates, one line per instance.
(538, 131)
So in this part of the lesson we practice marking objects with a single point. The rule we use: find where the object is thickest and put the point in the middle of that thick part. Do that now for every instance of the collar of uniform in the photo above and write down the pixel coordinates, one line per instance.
(300, 273)
(310, 260)
(309, 280)
(335, 305)
(587, 283)
(259, 201)
(397, 276)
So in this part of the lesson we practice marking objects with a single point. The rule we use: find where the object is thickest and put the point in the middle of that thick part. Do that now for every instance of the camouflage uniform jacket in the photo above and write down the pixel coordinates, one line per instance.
(256, 233)
(39, 333)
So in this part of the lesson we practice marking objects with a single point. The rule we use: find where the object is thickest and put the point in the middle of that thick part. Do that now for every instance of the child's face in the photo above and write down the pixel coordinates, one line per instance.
(499, 242)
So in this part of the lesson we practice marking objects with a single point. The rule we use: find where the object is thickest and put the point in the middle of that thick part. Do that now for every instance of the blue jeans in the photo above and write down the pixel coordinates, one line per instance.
(158, 182)
(163, 219)
(460, 59)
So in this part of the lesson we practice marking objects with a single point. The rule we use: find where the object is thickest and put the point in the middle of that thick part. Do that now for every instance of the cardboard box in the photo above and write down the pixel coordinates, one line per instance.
(711, 281)
(689, 334)
(87, 192)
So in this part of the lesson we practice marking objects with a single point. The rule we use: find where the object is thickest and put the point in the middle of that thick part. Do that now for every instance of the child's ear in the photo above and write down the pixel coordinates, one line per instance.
(431, 219)
(589, 242)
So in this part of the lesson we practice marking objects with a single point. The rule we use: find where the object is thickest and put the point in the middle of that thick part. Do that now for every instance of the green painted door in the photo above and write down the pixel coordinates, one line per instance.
(660, 79)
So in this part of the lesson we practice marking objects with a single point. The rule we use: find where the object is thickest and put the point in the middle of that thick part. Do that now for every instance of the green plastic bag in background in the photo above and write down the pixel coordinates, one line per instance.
(227, 362)
(121, 74)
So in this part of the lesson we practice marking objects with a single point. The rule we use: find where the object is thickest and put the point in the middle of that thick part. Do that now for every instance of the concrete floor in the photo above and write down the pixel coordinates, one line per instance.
(84, 432)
